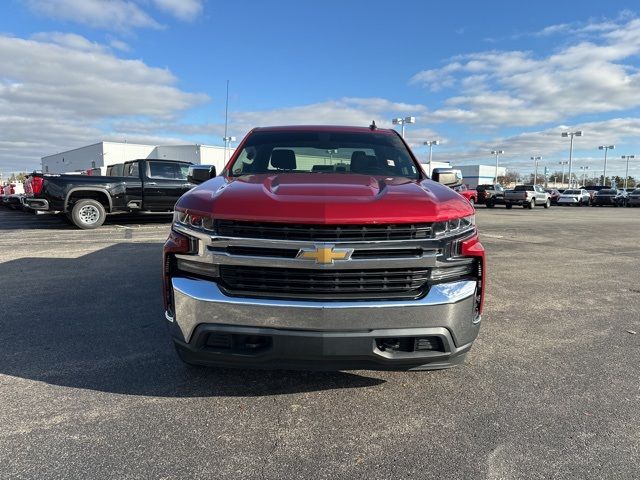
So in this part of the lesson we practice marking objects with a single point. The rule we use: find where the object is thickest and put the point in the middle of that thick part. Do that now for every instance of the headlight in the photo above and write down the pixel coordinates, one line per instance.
(455, 226)
(191, 220)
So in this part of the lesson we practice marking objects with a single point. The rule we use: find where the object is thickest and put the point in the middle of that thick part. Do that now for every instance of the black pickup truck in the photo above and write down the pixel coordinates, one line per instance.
(145, 185)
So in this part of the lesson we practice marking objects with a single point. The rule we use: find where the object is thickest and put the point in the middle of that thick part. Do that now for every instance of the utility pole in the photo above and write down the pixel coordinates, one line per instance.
(606, 148)
(430, 144)
(626, 175)
(535, 171)
(403, 121)
(571, 135)
(497, 153)
(563, 164)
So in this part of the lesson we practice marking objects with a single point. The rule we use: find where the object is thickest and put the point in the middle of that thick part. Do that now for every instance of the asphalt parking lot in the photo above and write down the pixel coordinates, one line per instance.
(90, 386)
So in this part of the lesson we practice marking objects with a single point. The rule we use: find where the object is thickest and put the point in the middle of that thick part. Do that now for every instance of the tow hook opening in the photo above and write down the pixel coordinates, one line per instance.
(235, 343)
(410, 344)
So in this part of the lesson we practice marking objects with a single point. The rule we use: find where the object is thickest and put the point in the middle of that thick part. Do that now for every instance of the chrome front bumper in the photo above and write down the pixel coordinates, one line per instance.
(447, 305)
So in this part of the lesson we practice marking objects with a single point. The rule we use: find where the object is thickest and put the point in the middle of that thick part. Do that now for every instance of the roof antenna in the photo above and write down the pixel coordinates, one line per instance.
(373, 125)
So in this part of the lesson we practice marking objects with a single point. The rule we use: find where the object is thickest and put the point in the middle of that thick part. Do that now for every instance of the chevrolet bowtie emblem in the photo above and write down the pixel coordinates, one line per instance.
(325, 255)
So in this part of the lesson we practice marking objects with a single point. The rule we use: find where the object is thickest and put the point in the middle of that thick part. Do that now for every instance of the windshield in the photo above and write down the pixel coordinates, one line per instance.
(608, 192)
(523, 188)
(572, 192)
(324, 152)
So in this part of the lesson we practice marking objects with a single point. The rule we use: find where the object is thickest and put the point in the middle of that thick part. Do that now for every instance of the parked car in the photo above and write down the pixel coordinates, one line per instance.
(490, 194)
(466, 192)
(12, 195)
(147, 185)
(528, 196)
(280, 264)
(611, 196)
(575, 196)
(633, 200)
(554, 195)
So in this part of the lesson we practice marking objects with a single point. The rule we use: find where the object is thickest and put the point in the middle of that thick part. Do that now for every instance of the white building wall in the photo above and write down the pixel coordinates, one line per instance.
(474, 175)
(120, 152)
(425, 165)
(74, 160)
(109, 153)
(212, 155)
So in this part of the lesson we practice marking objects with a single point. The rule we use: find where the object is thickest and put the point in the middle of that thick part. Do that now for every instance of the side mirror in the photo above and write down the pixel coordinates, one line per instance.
(200, 173)
(447, 176)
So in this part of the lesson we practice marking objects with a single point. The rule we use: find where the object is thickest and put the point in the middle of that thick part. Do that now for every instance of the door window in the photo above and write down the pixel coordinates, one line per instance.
(167, 171)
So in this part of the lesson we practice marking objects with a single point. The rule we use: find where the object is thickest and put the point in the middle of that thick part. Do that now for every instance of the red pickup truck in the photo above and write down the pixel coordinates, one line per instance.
(323, 248)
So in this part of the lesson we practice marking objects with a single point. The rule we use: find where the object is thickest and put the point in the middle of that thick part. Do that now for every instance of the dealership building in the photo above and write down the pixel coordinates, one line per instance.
(103, 154)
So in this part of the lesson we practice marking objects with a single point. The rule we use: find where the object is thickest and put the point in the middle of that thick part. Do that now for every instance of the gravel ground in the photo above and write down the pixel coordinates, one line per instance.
(90, 386)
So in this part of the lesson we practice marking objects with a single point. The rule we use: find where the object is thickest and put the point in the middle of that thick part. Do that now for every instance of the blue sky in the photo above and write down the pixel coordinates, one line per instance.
(477, 75)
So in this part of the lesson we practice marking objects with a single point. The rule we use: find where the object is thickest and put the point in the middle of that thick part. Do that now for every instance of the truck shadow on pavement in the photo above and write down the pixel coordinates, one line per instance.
(96, 322)
(16, 219)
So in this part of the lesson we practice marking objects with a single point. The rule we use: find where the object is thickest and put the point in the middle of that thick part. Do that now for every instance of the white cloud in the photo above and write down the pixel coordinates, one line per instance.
(107, 14)
(516, 88)
(553, 148)
(186, 10)
(59, 91)
(118, 15)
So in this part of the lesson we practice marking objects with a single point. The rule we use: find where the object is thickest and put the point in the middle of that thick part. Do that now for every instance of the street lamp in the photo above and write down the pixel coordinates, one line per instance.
(535, 171)
(402, 121)
(563, 164)
(584, 173)
(571, 134)
(227, 145)
(430, 144)
(626, 175)
(606, 148)
(497, 153)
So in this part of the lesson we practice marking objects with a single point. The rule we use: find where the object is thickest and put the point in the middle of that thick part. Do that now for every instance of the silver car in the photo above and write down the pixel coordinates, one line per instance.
(576, 196)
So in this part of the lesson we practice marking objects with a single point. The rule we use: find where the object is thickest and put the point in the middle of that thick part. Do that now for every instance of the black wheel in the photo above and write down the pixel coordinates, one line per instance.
(508, 206)
(490, 204)
(88, 214)
(547, 204)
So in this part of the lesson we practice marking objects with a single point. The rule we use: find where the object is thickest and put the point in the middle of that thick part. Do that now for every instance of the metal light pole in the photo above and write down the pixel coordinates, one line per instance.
(626, 175)
(571, 134)
(563, 164)
(430, 144)
(606, 148)
(584, 173)
(402, 121)
(497, 153)
(535, 171)
(227, 145)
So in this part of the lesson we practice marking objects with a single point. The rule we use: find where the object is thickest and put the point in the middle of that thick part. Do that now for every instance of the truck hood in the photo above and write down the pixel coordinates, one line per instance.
(322, 198)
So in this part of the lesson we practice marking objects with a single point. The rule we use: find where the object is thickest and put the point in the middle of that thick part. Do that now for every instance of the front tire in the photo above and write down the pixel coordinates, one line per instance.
(508, 206)
(88, 214)
(547, 204)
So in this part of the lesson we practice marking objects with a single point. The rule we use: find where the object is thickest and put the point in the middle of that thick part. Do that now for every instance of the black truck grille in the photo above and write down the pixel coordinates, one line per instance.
(323, 233)
(327, 284)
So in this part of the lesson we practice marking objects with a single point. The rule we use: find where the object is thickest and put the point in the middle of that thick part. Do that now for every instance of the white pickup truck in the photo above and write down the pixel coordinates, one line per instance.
(528, 196)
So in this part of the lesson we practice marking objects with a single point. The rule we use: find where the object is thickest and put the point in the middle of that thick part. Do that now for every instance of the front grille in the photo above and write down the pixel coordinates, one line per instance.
(332, 284)
(323, 233)
(358, 254)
